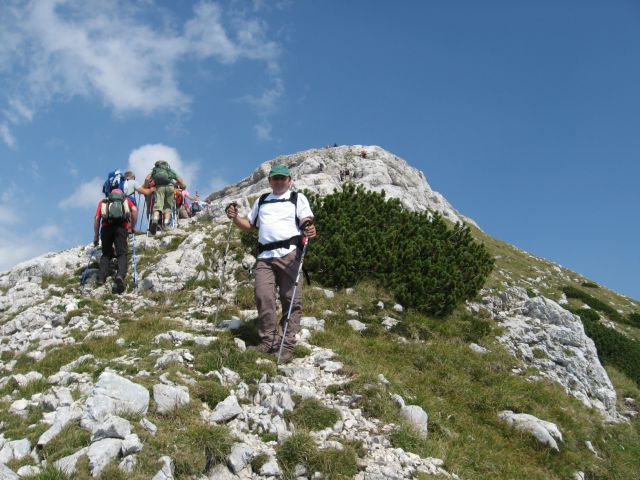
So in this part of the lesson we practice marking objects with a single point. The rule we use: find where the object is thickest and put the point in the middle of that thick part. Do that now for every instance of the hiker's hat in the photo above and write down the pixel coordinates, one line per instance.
(279, 170)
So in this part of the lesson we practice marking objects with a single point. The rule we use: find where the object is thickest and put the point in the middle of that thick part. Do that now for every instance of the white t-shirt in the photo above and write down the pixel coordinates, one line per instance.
(276, 221)
(130, 187)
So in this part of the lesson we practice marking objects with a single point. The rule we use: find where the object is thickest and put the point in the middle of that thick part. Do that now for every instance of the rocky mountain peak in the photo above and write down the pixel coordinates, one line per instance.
(323, 170)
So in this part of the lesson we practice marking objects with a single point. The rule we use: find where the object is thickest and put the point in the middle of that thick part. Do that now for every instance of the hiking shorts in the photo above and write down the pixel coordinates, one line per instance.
(164, 198)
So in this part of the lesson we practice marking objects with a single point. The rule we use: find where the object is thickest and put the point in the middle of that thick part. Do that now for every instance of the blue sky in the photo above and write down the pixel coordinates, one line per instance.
(524, 114)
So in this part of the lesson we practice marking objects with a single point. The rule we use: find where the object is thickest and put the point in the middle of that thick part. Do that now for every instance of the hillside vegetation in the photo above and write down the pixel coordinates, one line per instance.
(425, 357)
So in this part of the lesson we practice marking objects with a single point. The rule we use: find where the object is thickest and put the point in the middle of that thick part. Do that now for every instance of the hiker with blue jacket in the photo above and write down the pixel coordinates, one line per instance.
(279, 217)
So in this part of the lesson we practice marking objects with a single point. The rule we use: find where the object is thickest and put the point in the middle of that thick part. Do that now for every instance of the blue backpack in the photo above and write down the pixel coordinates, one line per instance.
(114, 180)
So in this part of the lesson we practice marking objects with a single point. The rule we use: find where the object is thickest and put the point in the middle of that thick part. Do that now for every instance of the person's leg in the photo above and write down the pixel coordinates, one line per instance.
(106, 239)
(158, 202)
(286, 272)
(134, 218)
(265, 293)
(120, 240)
(169, 202)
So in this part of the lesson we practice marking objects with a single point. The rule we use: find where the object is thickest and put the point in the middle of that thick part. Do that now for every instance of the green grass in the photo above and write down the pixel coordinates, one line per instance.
(331, 463)
(462, 392)
(311, 414)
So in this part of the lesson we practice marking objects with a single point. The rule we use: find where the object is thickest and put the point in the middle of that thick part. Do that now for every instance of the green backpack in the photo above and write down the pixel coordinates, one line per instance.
(115, 208)
(163, 175)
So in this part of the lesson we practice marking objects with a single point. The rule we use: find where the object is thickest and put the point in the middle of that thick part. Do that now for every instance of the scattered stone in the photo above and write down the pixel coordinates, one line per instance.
(67, 465)
(169, 398)
(477, 348)
(226, 410)
(149, 426)
(240, 344)
(389, 322)
(7, 474)
(270, 468)
(101, 453)
(131, 444)
(545, 432)
(112, 427)
(357, 325)
(128, 464)
(166, 472)
(240, 456)
(417, 418)
(398, 308)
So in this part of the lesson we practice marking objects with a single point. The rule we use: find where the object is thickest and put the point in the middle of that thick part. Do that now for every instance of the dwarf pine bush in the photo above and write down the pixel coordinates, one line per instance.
(426, 263)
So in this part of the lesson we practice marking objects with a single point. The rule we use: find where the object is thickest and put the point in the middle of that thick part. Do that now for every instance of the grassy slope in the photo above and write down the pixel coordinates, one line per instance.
(461, 390)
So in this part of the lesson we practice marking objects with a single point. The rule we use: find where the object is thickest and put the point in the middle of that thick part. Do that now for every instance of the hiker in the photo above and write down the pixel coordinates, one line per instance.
(182, 206)
(115, 213)
(163, 179)
(279, 217)
(131, 186)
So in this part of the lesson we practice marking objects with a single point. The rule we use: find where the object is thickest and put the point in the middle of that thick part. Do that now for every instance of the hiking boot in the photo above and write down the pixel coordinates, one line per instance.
(286, 357)
(99, 282)
(262, 348)
(153, 228)
(118, 285)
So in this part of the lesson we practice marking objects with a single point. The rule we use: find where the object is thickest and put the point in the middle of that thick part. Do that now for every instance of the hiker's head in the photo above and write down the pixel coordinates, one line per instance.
(116, 190)
(279, 179)
(129, 175)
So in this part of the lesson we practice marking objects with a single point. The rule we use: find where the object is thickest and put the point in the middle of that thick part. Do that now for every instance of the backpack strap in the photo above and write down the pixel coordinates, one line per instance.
(293, 198)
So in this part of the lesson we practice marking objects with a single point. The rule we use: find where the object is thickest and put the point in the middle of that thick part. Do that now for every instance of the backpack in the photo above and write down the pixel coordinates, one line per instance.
(115, 208)
(179, 199)
(162, 174)
(195, 208)
(114, 180)
(293, 198)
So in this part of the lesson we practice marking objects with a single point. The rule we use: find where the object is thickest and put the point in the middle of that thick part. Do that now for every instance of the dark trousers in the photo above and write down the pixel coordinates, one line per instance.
(278, 275)
(113, 235)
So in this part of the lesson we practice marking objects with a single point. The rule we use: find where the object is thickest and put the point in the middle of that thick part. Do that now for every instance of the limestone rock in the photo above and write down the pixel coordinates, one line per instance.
(547, 433)
(169, 398)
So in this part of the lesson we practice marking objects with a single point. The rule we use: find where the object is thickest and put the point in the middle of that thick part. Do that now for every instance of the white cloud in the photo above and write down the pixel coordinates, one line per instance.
(86, 195)
(126, 54)
(263, 131)
(142, 160)
(48, 232)
(8, 215)
(6, 136)
(13, 252)
(267, 102)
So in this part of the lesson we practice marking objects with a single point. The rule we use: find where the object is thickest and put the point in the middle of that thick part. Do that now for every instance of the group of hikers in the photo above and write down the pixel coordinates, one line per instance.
(166, 197)
(284, 221)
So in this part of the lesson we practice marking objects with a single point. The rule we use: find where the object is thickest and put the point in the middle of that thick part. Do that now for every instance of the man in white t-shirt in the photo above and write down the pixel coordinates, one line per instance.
(279, 216)
(131, 186)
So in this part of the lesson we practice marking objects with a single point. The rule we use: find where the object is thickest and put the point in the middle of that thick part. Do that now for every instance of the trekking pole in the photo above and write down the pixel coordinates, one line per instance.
(224, 267)
(135, 267)
(141, 214)
(305, 241)
(83, 279)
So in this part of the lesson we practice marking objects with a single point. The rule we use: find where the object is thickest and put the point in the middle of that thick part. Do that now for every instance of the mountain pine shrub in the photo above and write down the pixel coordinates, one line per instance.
(596, 304)
(426, 263)
(613, 347)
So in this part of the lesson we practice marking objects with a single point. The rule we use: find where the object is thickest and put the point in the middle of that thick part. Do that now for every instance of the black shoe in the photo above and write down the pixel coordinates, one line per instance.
(153, 228)
(99, 282)
(118, 285)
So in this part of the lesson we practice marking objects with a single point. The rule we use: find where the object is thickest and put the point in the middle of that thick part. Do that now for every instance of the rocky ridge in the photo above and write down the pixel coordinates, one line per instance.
(324, 169)
(42, 310)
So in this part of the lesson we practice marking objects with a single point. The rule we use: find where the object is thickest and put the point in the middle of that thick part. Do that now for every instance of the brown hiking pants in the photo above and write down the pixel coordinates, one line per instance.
(272, 275)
